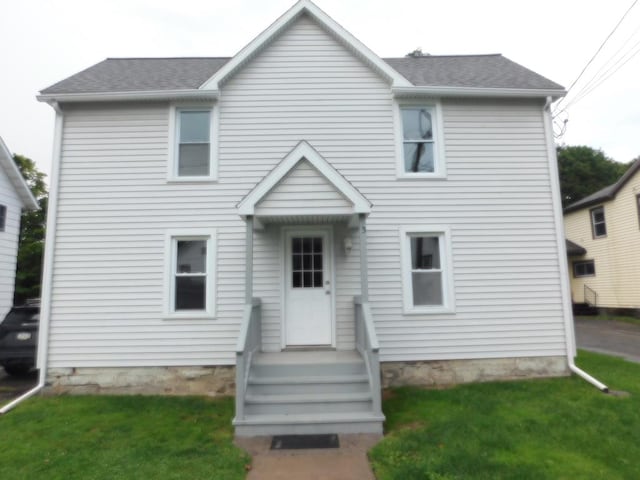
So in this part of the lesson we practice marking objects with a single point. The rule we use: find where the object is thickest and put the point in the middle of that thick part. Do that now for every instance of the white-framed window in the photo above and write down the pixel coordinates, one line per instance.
(419, 140)
(3, 217)
(190, 273)
(427, 272)
(585, 268)
(193, 143)
(598, 222)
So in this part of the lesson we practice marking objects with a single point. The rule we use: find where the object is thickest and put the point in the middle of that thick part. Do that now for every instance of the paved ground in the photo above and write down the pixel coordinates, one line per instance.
(349, 462)
(610, 337)
(12, 387)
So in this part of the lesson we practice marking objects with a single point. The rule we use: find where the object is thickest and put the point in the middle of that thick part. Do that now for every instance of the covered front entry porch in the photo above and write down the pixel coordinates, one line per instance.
(307, 352)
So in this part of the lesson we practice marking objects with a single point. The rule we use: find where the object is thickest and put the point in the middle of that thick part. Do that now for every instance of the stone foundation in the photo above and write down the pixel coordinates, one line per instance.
(452, 372)
(212, 381)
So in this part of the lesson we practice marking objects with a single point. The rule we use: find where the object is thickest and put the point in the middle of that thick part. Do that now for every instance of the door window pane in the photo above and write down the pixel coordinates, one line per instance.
(307, 262)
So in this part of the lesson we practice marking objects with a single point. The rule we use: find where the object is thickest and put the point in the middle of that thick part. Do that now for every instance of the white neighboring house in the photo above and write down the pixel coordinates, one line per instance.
(304, 220)
(15, 197)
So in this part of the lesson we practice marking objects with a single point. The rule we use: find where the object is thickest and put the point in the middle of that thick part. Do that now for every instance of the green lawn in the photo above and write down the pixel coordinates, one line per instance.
(537, 429)
(135, 437)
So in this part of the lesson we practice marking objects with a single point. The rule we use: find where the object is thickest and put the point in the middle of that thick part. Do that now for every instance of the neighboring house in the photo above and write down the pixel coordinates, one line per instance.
(605, 273)
(309, 213)
(15, 197)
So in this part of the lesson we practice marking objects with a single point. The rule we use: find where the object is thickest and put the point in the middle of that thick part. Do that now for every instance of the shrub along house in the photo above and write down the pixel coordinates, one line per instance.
(313, 215)
(15, 197)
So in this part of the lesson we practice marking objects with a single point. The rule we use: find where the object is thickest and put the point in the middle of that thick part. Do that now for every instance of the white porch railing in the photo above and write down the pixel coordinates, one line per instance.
(249, 342)
(367, 345)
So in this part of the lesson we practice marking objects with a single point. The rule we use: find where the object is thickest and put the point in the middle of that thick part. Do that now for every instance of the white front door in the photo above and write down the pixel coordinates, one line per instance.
(308, 289)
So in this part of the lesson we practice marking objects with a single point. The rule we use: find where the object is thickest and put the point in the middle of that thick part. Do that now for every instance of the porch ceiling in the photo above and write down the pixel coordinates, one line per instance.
(305, 219)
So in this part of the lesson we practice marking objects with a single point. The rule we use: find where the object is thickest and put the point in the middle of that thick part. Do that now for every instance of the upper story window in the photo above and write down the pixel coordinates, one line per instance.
(3, 217)
(193, 144)
(420, 152)
(598, 223)
(427, 271)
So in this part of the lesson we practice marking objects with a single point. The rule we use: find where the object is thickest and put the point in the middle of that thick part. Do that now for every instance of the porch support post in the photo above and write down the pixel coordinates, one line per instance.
(364, 280)
(248, 281)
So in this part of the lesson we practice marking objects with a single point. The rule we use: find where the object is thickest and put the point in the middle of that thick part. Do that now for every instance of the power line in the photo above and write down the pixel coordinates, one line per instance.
(597, 52)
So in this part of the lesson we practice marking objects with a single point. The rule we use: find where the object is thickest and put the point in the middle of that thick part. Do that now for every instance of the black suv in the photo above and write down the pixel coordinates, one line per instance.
(19, 338)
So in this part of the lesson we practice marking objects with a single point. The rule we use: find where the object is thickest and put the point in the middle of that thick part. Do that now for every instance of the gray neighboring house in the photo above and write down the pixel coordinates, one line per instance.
(15, 197)
(301, 224)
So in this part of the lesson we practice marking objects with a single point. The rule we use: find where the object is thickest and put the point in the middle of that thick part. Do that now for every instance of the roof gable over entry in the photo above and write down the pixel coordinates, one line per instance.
(332, 193)
(305, 7)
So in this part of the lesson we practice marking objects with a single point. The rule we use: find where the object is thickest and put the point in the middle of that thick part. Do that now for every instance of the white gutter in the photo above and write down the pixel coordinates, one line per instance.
(476, 92)
(562, 251)
(47, 273)
(130, 96)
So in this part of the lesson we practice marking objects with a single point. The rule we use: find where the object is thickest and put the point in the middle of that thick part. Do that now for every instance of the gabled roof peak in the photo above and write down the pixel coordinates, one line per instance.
(282, 23)
(15, 177)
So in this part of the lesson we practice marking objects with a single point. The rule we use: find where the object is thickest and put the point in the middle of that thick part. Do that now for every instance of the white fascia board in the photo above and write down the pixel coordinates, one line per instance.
(303, 151)
(129, 96)
(303, 6)
(15, 177)
(421, 91)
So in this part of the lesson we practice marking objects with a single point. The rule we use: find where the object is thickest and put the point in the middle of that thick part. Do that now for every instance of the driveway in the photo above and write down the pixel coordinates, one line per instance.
(610, 337)
(13, 387)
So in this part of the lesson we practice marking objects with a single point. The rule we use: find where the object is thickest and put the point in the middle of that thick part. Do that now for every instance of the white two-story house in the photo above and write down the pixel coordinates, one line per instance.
(305, 222)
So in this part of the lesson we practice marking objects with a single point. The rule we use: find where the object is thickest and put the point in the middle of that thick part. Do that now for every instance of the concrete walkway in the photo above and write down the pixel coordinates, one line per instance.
(349, 462)
(609, 337)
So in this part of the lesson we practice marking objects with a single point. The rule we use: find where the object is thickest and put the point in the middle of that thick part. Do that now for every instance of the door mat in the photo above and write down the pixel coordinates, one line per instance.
(295, 442)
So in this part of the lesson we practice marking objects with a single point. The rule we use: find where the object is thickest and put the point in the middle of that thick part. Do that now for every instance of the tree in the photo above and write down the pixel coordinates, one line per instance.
(584, 170)
(32, 230)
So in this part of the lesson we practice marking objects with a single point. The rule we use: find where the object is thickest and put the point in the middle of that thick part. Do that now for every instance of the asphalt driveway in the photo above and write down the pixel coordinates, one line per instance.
(609, 337)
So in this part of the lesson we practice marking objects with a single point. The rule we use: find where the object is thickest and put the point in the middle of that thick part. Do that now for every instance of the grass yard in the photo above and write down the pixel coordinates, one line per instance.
(538, 429)
(133, 437)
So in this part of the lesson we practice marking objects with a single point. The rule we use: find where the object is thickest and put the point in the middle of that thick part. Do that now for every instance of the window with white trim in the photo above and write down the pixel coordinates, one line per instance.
(427, 273)
(3, 217)
(190, 276)
(420, 154)
(193, 144)
(598, 222)
(585, 268)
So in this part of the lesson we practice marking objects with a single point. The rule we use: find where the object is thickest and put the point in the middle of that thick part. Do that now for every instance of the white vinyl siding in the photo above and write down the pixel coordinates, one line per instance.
(115, 205)
(8, 241)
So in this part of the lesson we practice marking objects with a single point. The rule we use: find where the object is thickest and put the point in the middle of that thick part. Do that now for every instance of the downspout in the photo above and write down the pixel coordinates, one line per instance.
(47, 270)
(562, 251)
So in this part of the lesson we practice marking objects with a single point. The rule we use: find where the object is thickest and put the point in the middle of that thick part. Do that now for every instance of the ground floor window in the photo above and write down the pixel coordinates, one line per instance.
(190, 273)
(426, 267)
(3, 217)
(585, 268)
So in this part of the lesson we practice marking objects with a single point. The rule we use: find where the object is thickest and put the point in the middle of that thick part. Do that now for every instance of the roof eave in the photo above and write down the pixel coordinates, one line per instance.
(150, 95)
(590, 203)
(441, 91)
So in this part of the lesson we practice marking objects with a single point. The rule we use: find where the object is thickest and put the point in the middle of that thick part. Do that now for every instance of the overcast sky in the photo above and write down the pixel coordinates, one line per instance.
(43, 41)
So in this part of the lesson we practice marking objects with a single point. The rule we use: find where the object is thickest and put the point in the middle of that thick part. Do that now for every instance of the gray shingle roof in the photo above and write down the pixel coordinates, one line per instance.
(140, 74)
(480, 71)
(156, 74)
(607, 193)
